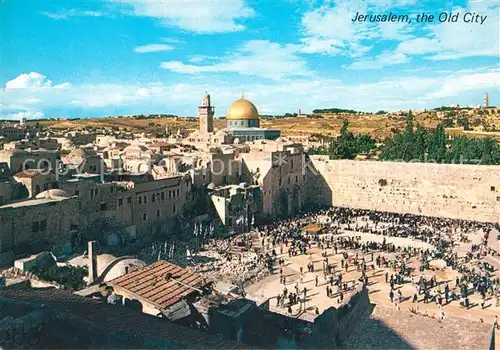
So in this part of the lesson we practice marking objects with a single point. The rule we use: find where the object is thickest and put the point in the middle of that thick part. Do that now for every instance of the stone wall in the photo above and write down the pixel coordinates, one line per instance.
(349, 314)
(469, 192)
(326, 331)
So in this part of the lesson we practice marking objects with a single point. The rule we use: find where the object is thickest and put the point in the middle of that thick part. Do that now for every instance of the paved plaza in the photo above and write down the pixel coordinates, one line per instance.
(316, 283)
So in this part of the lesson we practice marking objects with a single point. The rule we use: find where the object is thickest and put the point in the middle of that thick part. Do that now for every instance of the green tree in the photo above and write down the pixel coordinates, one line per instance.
(437, 144)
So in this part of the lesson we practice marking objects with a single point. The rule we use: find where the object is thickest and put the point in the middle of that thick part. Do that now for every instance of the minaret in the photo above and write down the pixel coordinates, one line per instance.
(486, 100)
(206, 114)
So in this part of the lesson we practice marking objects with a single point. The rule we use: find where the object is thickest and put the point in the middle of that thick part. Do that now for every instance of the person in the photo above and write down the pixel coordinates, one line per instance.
(441, 315)
(415, 298)
(301, 277)
(316, 280)
(495, 322)
(386, 277)
(391, 296)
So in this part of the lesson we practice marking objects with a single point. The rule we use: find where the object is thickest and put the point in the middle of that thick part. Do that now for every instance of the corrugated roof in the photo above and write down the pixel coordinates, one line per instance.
(150, 284)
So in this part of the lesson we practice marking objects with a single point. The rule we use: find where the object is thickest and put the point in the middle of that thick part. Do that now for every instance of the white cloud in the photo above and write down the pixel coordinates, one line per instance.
(257, 57)
(32, 80)
(330, 30)
(457, 84)
(153, 48)
(66, 14)
(475, 39)
(386, 58)
(25, 115)
(193, 15)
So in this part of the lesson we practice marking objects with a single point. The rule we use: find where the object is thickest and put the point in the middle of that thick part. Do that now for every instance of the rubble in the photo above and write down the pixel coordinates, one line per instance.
(230, 264)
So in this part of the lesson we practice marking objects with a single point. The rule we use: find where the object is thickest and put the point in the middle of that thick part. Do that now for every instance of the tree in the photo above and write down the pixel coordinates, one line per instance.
(437, 144)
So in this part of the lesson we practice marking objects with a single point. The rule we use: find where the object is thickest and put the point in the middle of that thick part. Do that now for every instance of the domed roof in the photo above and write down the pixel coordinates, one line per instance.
(242, 109)
(53, 193)
(122, 267)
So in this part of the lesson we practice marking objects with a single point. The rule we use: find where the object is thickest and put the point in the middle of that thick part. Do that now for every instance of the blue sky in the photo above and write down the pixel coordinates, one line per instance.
(73, 58)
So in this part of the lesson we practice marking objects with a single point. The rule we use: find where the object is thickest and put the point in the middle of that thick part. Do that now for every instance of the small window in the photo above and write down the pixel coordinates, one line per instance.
(163, 196)
(43, 225)
(145, 199)
(289, 180)
(96, 191)
(144, 217)
(158, 214)
(104, 206)
(173, 208)
(153, 198)
(35, 227)
(140, 200)
(492, 188)
(77, 192)
(173, 193)
(120, 202)
(169, 194)
(296, 178)
(129, 200)
(45, 187)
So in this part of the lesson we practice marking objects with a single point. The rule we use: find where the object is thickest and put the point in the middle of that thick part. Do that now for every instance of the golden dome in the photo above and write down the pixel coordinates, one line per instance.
(242, 109)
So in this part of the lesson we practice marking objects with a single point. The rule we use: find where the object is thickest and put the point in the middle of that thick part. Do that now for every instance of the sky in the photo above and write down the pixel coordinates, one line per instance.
(90, 58)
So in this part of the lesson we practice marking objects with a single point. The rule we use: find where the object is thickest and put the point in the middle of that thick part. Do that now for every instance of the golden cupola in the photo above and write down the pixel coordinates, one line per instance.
(242, 109)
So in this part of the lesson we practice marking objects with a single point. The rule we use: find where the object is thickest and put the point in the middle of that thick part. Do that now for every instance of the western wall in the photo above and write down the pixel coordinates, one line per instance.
(470, 192)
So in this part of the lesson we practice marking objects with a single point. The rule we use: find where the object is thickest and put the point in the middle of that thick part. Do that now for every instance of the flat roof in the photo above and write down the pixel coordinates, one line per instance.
(149, 283)
(33, 202)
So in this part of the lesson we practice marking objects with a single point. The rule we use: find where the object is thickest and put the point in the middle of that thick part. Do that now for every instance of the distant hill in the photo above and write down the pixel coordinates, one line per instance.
(476, 122)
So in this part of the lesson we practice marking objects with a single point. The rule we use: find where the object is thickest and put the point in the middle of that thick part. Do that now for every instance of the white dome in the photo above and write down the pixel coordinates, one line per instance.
(123, 267)
(53, 193)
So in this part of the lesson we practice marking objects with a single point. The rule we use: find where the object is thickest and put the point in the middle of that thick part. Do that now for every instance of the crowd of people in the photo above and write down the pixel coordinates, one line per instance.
(406, 263)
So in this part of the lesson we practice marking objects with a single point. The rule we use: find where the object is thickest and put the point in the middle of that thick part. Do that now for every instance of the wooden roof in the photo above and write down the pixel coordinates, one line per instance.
(149, 283)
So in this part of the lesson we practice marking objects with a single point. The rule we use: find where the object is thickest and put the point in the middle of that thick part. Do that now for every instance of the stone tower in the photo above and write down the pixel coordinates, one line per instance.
(206, 114)
(486, 100)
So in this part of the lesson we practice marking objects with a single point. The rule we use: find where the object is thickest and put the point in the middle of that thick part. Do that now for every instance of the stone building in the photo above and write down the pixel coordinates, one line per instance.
(280, 169)
(37, 180)
(34, 225)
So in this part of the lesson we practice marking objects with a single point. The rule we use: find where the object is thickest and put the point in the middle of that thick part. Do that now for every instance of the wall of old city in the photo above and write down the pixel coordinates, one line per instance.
(469, 192)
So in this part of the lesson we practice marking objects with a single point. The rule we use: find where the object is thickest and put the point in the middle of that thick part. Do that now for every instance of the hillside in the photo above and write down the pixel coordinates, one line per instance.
(477, 122)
